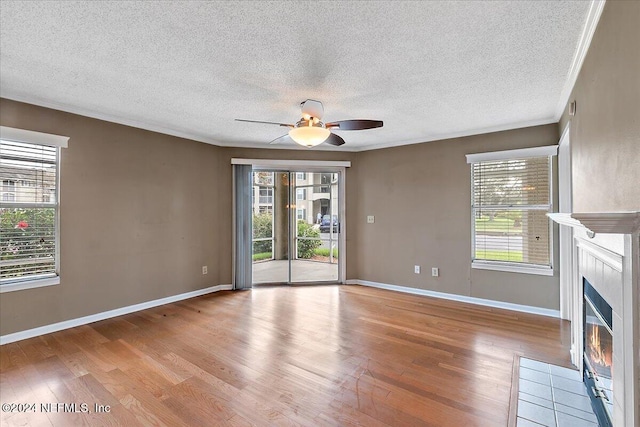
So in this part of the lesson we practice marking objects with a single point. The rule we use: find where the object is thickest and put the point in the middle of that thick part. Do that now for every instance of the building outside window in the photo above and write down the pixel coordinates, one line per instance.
(265, 195)
(265, 210)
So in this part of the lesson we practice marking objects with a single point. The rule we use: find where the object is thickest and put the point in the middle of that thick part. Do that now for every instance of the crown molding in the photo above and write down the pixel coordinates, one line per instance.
(593, 17)
(106, 117)
(463, 134)
(249, 144)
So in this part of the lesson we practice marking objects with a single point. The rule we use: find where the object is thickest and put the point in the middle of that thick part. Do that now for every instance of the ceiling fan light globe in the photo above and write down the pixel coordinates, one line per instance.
(309, 136)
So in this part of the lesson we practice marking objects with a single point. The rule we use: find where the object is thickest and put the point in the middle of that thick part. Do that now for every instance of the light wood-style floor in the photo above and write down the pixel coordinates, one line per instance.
(313, 356)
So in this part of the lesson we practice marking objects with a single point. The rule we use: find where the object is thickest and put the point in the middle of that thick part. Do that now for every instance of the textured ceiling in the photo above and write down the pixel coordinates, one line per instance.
(429, 70)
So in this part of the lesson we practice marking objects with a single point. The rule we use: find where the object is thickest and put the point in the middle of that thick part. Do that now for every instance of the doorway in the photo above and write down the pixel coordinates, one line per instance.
(296, 226)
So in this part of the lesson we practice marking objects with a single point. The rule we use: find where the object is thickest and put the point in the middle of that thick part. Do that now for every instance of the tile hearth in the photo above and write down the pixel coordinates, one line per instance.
(552, 396)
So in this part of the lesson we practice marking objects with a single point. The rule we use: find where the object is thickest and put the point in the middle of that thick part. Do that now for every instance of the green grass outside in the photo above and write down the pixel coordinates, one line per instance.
(498, 255)
(325, 252)
(498, 225)
(261, 256)
(319, 251)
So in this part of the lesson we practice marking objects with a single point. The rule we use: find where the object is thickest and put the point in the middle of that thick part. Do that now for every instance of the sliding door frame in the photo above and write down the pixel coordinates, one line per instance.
(294, 166)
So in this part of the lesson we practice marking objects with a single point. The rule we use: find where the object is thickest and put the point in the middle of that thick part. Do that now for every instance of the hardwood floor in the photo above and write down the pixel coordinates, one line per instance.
(315, 355)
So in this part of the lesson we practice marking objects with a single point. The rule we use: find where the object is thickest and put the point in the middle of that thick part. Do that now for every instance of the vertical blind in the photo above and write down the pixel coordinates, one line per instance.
(242, 260)
(511, 198)
(28, 210)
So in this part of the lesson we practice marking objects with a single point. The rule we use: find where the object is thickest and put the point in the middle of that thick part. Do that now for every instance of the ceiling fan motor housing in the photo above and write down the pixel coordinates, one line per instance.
(312, 108)
(313, 121)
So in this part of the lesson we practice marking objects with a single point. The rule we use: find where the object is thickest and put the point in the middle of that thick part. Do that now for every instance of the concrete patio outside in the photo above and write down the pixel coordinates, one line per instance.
(277, 271)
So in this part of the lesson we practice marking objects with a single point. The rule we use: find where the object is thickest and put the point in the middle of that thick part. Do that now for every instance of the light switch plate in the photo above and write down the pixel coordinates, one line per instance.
(371, 219)
(416, 269)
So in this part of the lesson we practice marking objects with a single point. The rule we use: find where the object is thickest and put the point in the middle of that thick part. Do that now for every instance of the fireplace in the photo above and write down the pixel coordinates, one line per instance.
(598, 353)
(603, 254)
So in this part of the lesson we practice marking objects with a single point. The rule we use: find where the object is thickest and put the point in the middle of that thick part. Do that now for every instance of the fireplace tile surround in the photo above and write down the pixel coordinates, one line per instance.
(605, 252)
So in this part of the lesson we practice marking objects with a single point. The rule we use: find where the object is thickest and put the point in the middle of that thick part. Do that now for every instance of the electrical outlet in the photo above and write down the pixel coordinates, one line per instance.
(416, 269)
(435, 272)
(204, 269)
(371, 219)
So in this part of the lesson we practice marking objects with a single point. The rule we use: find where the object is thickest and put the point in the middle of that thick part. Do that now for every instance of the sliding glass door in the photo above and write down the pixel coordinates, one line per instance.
(296, 225)
(270, 225)
(317, 227)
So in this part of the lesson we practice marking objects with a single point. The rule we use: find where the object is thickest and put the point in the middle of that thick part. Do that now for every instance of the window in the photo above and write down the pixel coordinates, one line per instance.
(266, 195)
(301, 176)
(28, 211)
(511, 195)
(301, 213)
(8, 190)
(301, 194)
(265, 210)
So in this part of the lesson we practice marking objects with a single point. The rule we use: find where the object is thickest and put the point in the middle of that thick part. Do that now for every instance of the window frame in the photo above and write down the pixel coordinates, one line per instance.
(301, 214)
(59, 142)
(512, 266)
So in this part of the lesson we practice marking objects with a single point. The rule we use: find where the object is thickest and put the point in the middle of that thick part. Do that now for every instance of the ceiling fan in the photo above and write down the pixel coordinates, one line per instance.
(309, 131)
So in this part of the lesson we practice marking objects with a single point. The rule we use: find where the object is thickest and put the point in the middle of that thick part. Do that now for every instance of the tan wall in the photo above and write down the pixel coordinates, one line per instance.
(605, 132)
(139, 218)
(420, 196)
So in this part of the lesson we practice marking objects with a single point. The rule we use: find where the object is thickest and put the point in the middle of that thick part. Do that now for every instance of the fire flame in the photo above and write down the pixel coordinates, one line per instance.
(597, 352)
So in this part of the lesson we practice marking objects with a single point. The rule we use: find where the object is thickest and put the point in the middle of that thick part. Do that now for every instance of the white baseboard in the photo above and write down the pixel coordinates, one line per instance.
(47, 329)
(30, 333)
(461, 298)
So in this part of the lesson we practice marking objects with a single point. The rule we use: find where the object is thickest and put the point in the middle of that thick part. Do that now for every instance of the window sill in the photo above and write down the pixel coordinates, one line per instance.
(29, 284)
(512, 268)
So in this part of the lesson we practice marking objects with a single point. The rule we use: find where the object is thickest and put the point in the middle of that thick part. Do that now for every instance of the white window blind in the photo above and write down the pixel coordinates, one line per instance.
(28, 210)
(510, 200)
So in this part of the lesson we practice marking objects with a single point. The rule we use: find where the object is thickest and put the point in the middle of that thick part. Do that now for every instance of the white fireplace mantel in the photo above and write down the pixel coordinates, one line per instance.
(606, 252)
(609, 222)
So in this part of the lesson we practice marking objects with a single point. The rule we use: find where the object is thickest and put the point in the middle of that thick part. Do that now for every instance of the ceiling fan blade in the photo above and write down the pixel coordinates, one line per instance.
(334, 140)
(266, 123)
(283, 138)
(355, 124)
